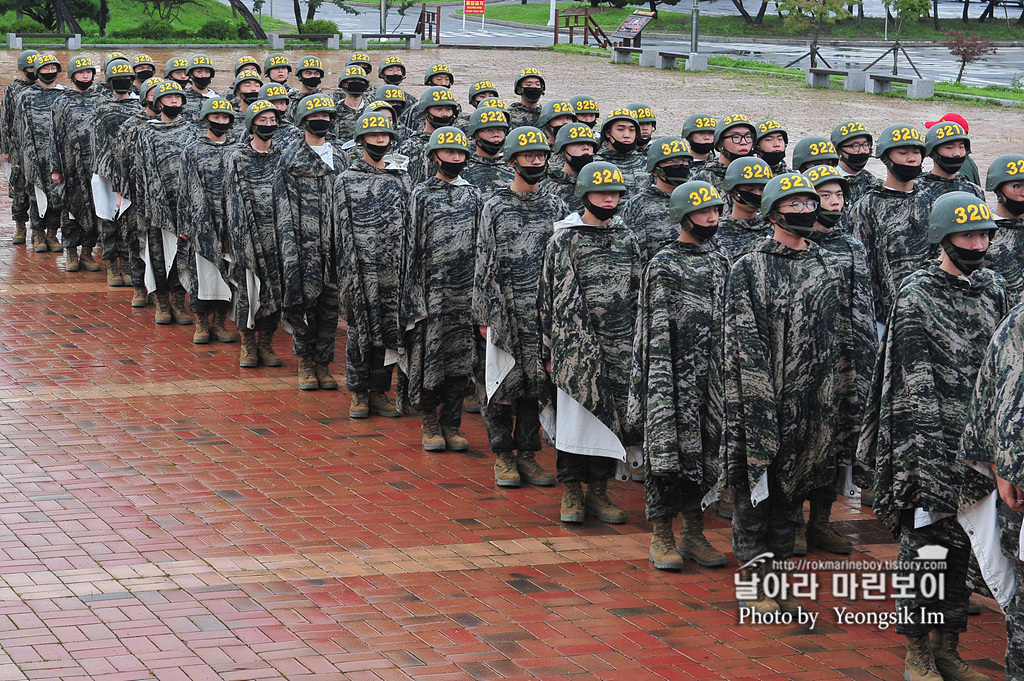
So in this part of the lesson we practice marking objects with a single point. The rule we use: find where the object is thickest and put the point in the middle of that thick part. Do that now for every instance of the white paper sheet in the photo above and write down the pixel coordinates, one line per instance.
(211, 284)
(252, 289)
(980, 524)
(8, 169)
(104, 198)
(170, 249)
(497, 365)
(580, 432)
(42, 201)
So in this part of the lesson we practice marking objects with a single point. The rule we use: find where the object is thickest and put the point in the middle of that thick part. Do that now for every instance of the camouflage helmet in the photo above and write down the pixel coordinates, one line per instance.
(524, 138)
(528, 72)
(819, 175)
(495, 103)
(1005, 168)
(436, 69)
(276, 61)
(643, 113)
(119, 68)
(389, 61)
(575, 133)
(111, 56)
(148, 85)
(258, 107)
(213, 105)
(692, 196)
(848, 130)
(747, 170)
(311, 62)
(315, 103)
(448, 137)
(247, 62)
(353, 72)
(486, 117)
(363, 60)
(46, 60)
(782, 187)
(79, 64)
(665, 148)
(200, 61)
(175, 64)
(436, 95)
(947, 131)
(243, 76)
(165, 88)
(698, 122)
(733, 121)
(482, 87)
(769, 127)
(620, 114)
(371, 123)
(143, 59)
(27, 60)
(958, 212)
(816, 150)
(600, 176)
(899, 135)
(553, 109)
(585, 104)
(273, 92)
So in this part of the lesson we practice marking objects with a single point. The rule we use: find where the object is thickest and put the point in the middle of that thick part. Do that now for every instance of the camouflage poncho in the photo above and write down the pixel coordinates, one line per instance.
(713, 172)
(158, 163)
(345, 122)
(514, 230)
(109, 115)
(563, 185)
(930, 187)
(420, 166)
(1006, 256)
(34, 129)
(675, 389)
(860, 185)
(444, 221)
(71, 151)
(488, 175)
(9, 141)
(646, 215)
(633, 166)
(519, 115)
(738, 237)
(934, 342)
(782, 357)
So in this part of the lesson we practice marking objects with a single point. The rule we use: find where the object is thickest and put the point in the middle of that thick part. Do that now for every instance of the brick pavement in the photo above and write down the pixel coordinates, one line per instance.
(165, 514)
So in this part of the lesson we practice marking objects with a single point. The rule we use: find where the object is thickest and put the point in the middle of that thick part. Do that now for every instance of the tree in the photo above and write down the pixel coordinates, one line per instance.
(652, 5)
(166, 10)
(815, 14)
(968, 49)
(45, 11)
(906, 9)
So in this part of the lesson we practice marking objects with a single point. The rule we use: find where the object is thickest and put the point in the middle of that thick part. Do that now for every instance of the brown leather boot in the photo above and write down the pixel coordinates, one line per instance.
(139, 296)
(113, 274)
(822, 534)
(532, 472)
(307, 379)
(573, 507)
(248, 358)
(920, 660)
(760, 602)
(178, 309)
(163, 308)
(598, 504)
(432, 440)
(202, 333)
(265, 349)
(125, 271)
(506, 474)
(453, 439)
(218, 327)
(20, 232)
(948, 661)
(72, 262)
(88, 262)
(359, 408)
(663, 553)
(52, 242)
(39, 241)
(322, 371)
(694, 545)
(381, 405)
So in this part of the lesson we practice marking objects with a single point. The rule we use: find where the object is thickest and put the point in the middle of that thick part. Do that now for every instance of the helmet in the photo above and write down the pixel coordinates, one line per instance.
(620, 114)
(354, 72)
(899, 135)
(148, 85)
(79, 64)
(396, 96)
(958, 212)
(315, 103)
(27, 59)
(487, 117)
(119, 68)
(575, 133)
(585, 104)
(783, 186)
(44, 60)
(643, 113)
(362, 59)
(746, 170)
(247, 63)
(692, 196)
(552, 110)
(814, 150)
(448, 137)
(167, 87)
(495, 103)
(390, 61)
(732, 121)
(175, 64)
(141, 59)
(111, 56)
(846, 131)
(311, 61)
(524, 138)
(600, 176)
(370, 123)
(528, 73)
(258, 107)
(941, 133)
(770, 127)
(1004, 169)
(274, 61)
(819, 175)
(666, 148)
(436, 69)
(698, 122)
(216, 105)
(200, 61)
(274, 92)
(377, 105)
(243, 76)
(436, 96)
(481, 86)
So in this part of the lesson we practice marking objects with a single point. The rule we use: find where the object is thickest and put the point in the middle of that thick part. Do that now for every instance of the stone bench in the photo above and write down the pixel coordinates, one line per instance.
(666, 59)
(624, 55)
(853, 81)
(72, 41)
(330, 41)
(917, 88)
(361, 41)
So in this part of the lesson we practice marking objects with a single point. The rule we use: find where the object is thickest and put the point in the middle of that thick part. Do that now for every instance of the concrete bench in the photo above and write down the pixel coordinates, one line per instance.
(331, 41)
(666, 59)
(853, 81)
(624, 55)
(917, 88)
(361, 41)
(72, 41)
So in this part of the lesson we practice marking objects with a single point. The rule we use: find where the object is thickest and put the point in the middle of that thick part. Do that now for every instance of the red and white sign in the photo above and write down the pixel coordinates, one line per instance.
(473, 7)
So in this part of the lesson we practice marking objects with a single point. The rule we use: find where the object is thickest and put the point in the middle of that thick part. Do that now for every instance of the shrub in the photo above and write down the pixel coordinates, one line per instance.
(25, 25)
(244, 32)
(149, 29)
(218, 29)
(320, 26)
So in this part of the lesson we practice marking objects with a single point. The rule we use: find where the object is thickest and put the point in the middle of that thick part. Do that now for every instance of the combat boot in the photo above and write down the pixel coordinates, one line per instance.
(322, 371)
(573, 508)
(113, 274)
(163, 308)
(219, 329)
(724, 509)
(531, 471)
(432, 439)
(821, 534)
(178, 309)
(800, 541)
(469, 403)
(307, 377)
(72, 261)
(663, 553)
(506, 474)
(786, 601)
(88, 262)
(920, 661)
(601, 506)
(948, 660)
(694, 545)
(248, 358)
(760, 603)
(52, 243)
(453, 439)
(19, 232)
(139, 296)
(39, 241)
(265, 349)
(381, 405)
(359, 408)
(202, 334)
(867, 498)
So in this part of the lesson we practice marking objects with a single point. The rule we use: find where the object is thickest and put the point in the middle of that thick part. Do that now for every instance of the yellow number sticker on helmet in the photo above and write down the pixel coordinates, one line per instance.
(949, 129)
(819, 148)
(974, 212)
(735, 118)
(907, 135)
(279, 60)
(851, 128)
(703, 195)
(529, 72)
(530, 137)
(757, 170)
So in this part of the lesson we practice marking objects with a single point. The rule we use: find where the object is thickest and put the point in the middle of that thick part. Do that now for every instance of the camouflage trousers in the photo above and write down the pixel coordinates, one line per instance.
(128, 225)
(572, 467)
(204, 308)
(769, 526)
(666, 496)
(166, 282)
(112, 240)
(19, 191)
(513, 426)
(366, 371)
(315, 325)
(75, 232)
(449, 398)
(1015, 627)
(48, 222)
(948, 604)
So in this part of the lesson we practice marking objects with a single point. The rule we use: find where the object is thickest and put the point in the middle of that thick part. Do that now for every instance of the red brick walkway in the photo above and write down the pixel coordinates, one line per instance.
(165, 514)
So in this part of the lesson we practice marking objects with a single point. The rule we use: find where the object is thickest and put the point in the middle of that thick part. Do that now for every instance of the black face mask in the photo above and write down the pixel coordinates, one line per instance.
(531, 174)
(439, 121)
(732, 157)
(218, 129)
(829, 218)
(121, 86)
(47, 77)
(904, 173)
(82, 86)
(590, 124)
(249, 97)
(702, 147)
(491, 148)
(311, 83)
(700, 232)
(749, 198)
(171, 112)
(800, 224)
(265, 132)
(142, 75)
(856, 162)
(949, 165)
(394, 78)
(201, 83)
(183, 82)
(622, 147)
(675, 175)
(356, 87)
(30, 76)
(772, 158)
(600, 212)
(376, 151)
(554, 130)
(578, 162)
(1012, 205)
(967, 260)
(451, 169)
(532, 94)
(318, 127)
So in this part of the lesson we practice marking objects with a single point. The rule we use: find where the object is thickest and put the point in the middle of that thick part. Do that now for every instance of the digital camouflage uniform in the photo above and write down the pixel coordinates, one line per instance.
(33, 116)
(519, 115)
(421, 166)
(345, 121)
(117, 164)
(72, 155)
(1006, 256)
(633, 165)
(935, 340)
(780, 415)
(675, 396)
(713, 172)
(860, 184)
(10, 145)
(444, 220)
(563, 185)
(488, 175)
(646, 215)
(930, 187)
(194, 101)
(739, 237)
(109, 115)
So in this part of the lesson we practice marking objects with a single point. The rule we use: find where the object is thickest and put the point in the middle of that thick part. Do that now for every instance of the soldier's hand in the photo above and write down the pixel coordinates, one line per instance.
(119, 199)
(547, 366)
(483, 331)
(7, 157)
(1011, 495)
(56, 177)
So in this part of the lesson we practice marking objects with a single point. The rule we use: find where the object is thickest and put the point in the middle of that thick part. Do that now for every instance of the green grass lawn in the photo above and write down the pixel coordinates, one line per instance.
(610, 18)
